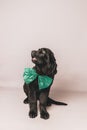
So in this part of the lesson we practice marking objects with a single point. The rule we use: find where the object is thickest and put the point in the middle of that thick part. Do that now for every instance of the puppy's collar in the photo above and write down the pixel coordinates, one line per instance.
(30, 75)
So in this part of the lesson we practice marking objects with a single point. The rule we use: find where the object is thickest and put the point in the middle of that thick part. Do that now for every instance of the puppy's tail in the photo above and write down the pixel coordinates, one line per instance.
(56, 102)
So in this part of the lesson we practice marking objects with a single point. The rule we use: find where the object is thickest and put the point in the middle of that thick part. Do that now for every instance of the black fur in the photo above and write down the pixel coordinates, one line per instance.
(45, 64)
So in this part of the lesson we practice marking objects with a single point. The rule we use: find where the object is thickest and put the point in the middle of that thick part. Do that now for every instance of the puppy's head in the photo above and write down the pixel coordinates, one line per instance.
(45, 59)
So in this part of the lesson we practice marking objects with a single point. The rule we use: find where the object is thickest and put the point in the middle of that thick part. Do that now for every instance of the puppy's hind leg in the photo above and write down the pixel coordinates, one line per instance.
(26, 101)
(48, 103)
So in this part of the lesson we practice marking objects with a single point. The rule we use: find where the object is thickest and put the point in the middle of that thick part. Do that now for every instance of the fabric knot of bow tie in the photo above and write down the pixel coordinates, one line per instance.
(30, 75)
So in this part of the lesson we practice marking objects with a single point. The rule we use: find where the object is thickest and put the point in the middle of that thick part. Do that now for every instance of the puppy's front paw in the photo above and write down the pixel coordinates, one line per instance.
(44, 115)
(32, 114)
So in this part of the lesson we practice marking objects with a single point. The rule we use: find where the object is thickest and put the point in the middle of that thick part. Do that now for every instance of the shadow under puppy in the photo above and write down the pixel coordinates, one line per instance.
(38, 81)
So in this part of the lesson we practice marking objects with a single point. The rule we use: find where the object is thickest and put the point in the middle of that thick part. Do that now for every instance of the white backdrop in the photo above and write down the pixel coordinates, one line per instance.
(60, 25)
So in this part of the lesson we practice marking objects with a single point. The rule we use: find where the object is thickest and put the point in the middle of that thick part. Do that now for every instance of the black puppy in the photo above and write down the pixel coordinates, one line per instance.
(45, 66)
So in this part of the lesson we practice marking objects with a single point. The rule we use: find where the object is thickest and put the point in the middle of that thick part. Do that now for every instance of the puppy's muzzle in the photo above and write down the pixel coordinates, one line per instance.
(33, 54)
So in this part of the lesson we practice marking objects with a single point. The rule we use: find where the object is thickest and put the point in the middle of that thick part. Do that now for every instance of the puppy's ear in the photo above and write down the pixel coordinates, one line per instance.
(52, 58)
(53, 64)
(54, 68)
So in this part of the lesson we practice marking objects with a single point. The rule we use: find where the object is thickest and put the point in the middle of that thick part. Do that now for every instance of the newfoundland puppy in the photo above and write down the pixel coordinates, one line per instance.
(38, 81)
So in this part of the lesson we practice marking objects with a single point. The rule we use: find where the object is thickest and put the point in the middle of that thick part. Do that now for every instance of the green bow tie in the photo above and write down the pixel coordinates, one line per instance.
(30, 75)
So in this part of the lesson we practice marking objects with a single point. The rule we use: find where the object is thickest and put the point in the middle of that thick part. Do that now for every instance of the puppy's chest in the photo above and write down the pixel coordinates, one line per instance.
(36, 80)
(41, 83)
(34, 85)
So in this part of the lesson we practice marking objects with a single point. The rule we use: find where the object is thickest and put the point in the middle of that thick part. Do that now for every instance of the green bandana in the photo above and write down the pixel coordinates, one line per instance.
(30, 75)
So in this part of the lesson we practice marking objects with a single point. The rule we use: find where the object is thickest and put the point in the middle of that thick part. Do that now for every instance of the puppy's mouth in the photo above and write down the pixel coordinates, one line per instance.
(34, 59)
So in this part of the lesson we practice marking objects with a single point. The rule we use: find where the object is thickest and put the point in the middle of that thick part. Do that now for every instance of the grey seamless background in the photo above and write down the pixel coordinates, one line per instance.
(55, 24)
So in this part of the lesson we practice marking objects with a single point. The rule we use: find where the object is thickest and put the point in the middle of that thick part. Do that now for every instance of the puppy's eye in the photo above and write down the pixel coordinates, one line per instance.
(43, 52)
(40, 52)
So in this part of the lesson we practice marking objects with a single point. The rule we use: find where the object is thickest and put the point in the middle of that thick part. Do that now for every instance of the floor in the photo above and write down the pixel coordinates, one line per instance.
(14, 114)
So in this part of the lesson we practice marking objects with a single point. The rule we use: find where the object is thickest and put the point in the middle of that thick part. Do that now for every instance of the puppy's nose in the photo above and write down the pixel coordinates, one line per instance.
(33, 53)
